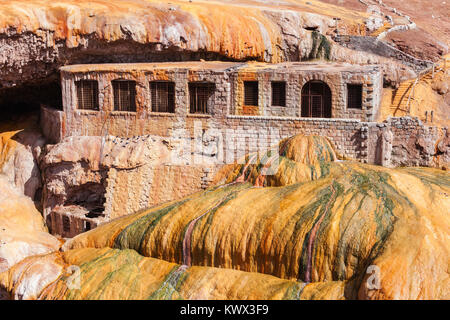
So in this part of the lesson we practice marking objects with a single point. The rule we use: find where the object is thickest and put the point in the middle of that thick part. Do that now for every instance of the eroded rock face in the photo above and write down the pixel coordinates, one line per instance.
(20, 145)
(22, 229)
(328, 226)
(35, 41)
(95, 179)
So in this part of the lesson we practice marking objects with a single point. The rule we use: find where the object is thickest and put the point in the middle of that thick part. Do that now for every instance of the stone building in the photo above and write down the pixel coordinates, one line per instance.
(137, 99)
(127, 108)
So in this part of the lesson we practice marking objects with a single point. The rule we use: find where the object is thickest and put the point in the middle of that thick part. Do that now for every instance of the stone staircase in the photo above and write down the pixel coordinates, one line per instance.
(384, 28)
(404, 94)
(400, 99)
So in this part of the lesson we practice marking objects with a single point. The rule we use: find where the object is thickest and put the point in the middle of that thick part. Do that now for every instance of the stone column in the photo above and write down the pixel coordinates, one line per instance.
(384, 147)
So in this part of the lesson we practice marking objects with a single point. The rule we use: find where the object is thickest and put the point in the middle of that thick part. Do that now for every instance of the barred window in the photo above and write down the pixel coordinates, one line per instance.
(316, 100)
(251, 93)
(124, 95)
(87, 94)
(279, 94)
(354, 96)
(162, 96)
(201, 97)
(66, 224)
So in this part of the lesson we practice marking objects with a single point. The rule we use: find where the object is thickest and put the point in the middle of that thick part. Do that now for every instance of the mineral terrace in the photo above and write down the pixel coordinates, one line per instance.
(278, 147)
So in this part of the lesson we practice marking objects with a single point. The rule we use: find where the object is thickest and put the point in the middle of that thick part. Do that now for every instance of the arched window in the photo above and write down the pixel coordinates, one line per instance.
(316, 100)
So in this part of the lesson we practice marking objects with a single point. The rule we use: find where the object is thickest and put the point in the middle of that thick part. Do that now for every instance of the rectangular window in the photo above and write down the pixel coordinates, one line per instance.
(354, 96)
(251, 93)
(66, 224)
(87, 94)
(163, 96)
(279, 94)
(201, 97)
(87, 225)
(124, 95)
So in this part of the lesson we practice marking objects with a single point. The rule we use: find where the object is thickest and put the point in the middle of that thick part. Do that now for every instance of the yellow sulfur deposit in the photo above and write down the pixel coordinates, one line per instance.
(124, 274)
(328, 226)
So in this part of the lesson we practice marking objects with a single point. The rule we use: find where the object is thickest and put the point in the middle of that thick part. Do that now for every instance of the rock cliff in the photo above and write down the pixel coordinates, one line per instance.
(36, 37)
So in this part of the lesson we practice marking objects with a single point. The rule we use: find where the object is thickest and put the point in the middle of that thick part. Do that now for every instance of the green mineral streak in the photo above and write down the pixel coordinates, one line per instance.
(321, 46)
(294, 291)
(133, 236)
(170, 285)
(303, 215)
(324, 168)
(429, 176)
(209, 218)
(124, 262)
(374, 187)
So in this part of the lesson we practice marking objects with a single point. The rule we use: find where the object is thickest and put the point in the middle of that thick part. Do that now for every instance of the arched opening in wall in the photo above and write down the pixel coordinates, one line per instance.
(316, 100)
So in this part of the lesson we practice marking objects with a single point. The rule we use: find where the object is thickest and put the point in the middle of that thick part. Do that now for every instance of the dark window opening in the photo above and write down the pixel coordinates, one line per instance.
(316, 100)
(87, 94)
(66, 224)
(124, 95)
(163, 96)
(87, 226)
(201, 97)
(354, 96)
(251, 93)
(279, 94)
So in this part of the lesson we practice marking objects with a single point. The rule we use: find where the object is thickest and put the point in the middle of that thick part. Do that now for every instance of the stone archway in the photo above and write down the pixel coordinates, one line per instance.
(316, 100)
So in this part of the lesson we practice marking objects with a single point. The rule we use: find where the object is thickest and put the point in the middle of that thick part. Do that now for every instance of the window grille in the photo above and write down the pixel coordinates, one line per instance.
(201, 97)
(316, 100)
(251, 93)
(66, 223)
(87, 94)
(279, 94)
(354, 96)
(124, 95)
(163, 96)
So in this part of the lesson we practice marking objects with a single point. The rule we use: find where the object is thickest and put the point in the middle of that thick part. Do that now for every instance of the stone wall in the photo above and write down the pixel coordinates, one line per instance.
(407, 141)
(228, 97)
(52, 123)
(125, 175)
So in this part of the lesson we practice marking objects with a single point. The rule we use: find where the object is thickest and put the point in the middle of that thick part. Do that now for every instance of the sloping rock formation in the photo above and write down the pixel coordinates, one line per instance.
(123, 274)
(22, 229)
(20, 145)
(334, 224)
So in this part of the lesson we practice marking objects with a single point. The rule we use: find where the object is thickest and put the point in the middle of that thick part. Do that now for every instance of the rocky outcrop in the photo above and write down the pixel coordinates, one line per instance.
(22, 229)
(20, 145)
(91, 180)
(316, 228)
(35, 41)
(106, 274)
(343, 222)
